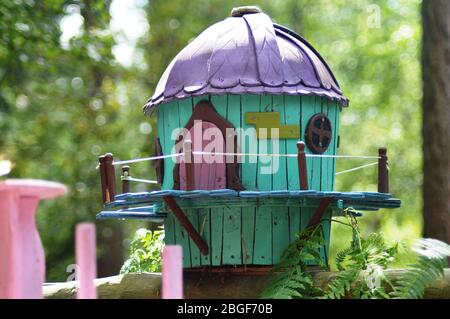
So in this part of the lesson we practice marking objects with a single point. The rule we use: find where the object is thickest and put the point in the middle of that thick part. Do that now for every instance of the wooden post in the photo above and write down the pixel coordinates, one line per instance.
(125, 183)
(22, 258)
(110, 177)
(383, 176)
(86, 260)
(104, 183)
(172, 272)
(189, 165)
(302, 172)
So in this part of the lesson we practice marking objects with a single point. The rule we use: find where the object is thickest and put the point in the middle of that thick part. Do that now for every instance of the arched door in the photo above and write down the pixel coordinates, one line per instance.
(207, 130)
(210, 169)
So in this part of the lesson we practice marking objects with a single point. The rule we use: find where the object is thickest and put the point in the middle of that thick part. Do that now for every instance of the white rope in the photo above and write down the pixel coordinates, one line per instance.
(344, 156)
(131, 179)
(243, 154)
(356, 168)
(285, 155)
(136, 160)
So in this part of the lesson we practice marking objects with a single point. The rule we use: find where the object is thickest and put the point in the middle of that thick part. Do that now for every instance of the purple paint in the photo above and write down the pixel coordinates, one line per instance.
(247, 54)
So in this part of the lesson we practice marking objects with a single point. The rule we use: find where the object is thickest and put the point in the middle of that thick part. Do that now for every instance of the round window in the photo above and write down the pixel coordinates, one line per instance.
(318, 133)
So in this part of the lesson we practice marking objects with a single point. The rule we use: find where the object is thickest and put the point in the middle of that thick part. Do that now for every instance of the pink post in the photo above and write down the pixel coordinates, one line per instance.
(172, 272)
(22, 259)
(86, 261)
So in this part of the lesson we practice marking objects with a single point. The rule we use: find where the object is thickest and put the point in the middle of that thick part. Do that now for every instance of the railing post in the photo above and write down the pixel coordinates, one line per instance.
(104, 182)
(301, 159)
(125, 182)
(383, 175)
(189, 165)
(110, 177)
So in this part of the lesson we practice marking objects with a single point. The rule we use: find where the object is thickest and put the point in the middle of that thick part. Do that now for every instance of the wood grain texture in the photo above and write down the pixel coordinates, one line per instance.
(262, 254)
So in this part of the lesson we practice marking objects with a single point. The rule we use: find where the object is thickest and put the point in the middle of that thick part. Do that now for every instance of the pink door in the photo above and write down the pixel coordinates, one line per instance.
(210, 170)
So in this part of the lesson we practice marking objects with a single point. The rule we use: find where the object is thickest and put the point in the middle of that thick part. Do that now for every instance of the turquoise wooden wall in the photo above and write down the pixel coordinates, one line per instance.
(251, 235)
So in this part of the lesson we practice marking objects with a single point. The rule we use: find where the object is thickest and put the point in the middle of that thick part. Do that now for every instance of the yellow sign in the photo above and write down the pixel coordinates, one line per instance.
(266, 121)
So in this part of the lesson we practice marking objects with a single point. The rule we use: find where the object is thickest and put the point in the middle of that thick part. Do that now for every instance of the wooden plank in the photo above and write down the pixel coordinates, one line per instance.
(262, 254)
(184, 111)
(325, 171)
(232, 236)
(182, 239)
(169, 223)
(232, 243)
(248, 234)
(250, 103)
(204, 222)
(220, 104)
(192, 215)
(249, 144)
(308, 110)
(171, 122)
(292, 114)
(169, 230)
(280, 216)
(316, 169)
(216, 236)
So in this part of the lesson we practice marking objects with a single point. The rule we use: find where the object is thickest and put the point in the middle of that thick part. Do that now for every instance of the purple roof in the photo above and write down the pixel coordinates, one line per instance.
(247, 54)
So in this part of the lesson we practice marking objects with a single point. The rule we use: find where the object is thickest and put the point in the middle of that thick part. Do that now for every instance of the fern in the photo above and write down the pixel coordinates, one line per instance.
(432, 259)
(291, 278)
(361, 266)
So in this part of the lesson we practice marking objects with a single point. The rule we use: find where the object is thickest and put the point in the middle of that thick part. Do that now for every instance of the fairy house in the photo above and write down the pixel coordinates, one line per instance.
(236, 184)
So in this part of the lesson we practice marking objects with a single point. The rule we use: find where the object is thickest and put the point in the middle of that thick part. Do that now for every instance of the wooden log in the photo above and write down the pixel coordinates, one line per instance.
(172, 272)
(383, 177)
(86, 259)
(210, 285)
(302, 171)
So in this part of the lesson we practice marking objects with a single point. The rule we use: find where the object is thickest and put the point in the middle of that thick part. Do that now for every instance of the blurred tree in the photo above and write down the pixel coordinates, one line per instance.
(64, 102)
(436, 118)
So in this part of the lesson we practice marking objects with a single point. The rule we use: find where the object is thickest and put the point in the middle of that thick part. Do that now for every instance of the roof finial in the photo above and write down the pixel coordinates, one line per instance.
(240, 11)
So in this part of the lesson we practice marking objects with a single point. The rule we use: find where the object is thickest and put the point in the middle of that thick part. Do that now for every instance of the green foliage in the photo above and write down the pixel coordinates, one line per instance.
(429, 267)
(361, 268)
(145, 252)
(61, 107)
(291, 278)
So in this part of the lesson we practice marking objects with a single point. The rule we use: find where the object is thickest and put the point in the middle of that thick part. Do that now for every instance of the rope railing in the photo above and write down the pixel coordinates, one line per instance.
(107, 163)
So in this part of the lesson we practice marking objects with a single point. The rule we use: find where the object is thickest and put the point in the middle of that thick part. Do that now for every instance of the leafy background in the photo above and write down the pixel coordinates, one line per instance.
(67, 97)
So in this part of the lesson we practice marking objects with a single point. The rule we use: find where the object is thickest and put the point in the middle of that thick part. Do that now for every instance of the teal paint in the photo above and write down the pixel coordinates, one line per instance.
(192, 215)
(262, 254)
(292, 113)
(216, 236)
(249, 103)
(204, 229)
(232, 243)
(280, 216)
(255, 234)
